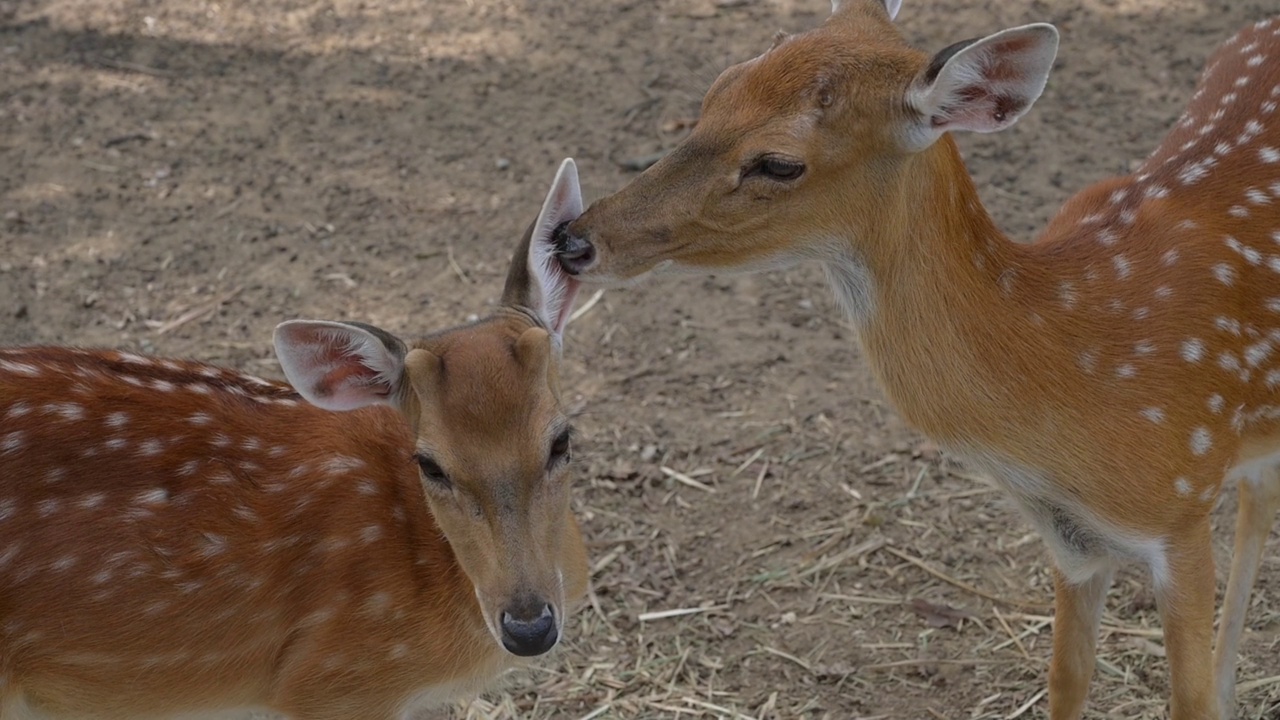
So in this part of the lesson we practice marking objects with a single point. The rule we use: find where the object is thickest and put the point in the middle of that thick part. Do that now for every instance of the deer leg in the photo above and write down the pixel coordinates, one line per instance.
(1076, 614)
(1259, 500)
(1185, 588)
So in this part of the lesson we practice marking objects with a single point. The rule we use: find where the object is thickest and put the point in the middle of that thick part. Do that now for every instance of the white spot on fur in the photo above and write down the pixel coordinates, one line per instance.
(1126, 371)
(1256, 353)
(1192, 350)
(1225, 273)
(1201, 441)
(1088, 361)
(91, 501)
(152, 497)
(1193, 173)
(1251, 256)
(1216, 403)
(339, 464)
(20, 368)
(1122, 266)
(17, 410)
(12, 442)
(1154, 414)
(1182, 486)
(1231, 363)
(1067, 294)
(68, 411)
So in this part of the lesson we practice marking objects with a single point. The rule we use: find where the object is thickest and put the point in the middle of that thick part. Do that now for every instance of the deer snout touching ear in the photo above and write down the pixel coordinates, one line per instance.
(575, 254)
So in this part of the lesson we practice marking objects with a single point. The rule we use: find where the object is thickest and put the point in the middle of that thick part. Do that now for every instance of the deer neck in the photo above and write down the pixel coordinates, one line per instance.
(948, 308)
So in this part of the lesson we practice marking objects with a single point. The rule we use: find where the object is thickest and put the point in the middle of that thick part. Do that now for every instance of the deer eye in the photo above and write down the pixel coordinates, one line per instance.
(561, 452)
(775, 168)
(431, 471)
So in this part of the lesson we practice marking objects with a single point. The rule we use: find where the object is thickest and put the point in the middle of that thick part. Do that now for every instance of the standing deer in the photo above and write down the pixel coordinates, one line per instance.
(180, 538)
(1109, 376)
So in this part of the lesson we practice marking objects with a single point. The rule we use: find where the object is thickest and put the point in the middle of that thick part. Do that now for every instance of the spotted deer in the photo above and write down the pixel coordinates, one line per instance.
(390, 532)
(1110, 376)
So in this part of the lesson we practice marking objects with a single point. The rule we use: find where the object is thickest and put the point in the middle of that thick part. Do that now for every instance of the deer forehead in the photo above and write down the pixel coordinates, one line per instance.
(808, 72)
(484, 391)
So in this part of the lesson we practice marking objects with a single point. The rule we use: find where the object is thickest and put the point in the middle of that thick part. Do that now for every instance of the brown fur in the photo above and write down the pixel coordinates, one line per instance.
(1058, 363)
(226, 544)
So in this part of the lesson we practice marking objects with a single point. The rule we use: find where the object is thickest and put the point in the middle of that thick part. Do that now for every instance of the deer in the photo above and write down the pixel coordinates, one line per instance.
(1111, 376)
(389, 531)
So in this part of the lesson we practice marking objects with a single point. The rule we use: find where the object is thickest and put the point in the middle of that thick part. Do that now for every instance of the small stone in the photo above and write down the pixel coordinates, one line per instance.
(502, 163)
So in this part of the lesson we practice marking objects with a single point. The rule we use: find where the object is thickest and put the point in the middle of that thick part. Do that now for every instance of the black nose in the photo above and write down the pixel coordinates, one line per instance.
(575, 254)
(529, 633)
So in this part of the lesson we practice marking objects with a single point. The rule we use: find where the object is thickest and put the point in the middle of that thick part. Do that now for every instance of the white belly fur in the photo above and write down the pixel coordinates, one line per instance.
(1081, 543)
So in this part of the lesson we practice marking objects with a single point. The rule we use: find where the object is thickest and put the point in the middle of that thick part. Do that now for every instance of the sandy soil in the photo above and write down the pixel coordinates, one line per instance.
(178, 176)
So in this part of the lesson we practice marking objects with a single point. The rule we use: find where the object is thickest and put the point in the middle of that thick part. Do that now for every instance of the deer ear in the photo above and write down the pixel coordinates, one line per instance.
(536, 280)
(981, 85)
(341, 366)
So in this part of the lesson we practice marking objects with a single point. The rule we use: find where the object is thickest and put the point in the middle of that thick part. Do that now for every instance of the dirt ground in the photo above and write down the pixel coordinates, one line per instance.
(177, 176)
